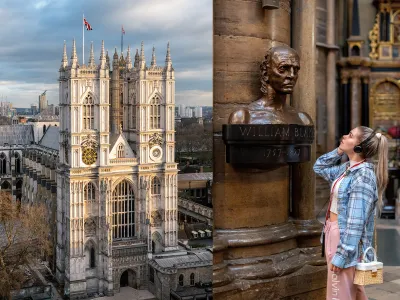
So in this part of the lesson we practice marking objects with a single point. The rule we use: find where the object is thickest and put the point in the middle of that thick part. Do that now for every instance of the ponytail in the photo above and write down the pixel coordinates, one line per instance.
(377, 147)
(381, 168)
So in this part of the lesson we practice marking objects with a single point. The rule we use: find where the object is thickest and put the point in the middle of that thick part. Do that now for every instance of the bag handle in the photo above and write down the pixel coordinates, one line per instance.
(365, 253)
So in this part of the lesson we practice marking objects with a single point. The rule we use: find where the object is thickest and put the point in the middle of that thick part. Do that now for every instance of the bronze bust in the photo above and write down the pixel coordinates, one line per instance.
(279, 72)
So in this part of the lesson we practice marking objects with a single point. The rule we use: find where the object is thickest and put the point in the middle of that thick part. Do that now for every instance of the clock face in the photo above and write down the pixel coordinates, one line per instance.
(156, 153)
(89, 156)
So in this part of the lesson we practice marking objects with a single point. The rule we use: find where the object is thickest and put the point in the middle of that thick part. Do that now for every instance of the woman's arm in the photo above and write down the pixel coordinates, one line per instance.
(326, 167)
(362, 201)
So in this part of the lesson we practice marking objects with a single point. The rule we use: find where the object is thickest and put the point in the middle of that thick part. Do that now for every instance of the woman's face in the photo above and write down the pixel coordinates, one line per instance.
(349, 141)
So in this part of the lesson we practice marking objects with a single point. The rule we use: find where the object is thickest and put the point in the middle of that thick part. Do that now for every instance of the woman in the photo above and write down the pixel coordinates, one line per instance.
(357, 187)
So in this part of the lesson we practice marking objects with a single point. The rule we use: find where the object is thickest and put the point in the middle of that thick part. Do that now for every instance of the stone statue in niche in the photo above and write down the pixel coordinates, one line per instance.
(279, 73)
(156, 218)
(90, 227)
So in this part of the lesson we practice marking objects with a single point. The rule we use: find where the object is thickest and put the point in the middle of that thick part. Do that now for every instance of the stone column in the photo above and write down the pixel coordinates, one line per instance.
(304, 99)
(344, 106)
(256, 247)
(365, 101)
(331, 75)
(355, 100)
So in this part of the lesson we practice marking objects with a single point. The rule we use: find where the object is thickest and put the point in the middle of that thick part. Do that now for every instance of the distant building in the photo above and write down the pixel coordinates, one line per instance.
(6, 109)
(42, 102)
(34, 110)
(51, 109)
(189, 111)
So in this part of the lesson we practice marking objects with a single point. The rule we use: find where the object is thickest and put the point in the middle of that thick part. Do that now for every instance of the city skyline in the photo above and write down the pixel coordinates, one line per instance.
(32, 49)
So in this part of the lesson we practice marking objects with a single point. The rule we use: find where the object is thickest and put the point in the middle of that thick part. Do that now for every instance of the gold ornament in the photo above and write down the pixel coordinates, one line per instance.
(89, 156)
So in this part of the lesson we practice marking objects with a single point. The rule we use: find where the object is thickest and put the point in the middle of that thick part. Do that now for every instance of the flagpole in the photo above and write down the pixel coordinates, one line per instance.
(83, 39)
(122, 40)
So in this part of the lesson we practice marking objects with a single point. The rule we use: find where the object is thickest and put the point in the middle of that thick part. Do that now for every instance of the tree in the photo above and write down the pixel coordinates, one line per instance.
(192, 138)
(24, 235)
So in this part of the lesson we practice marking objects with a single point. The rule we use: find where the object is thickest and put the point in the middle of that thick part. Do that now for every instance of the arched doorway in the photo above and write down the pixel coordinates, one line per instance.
(128, 278)
(156, 243)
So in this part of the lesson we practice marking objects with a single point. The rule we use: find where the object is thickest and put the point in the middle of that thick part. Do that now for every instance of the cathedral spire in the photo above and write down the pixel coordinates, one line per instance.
(142, 58)
(64, 61)
(91, 57)
(136, 64)
(128, 58)
(107, 60)
(115, 62)
(168, 61)
(153, 58)
(103, 59)
(74, 57)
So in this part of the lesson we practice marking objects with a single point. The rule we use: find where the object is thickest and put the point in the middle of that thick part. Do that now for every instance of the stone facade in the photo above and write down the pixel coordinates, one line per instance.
(116, 177)
(13, 140)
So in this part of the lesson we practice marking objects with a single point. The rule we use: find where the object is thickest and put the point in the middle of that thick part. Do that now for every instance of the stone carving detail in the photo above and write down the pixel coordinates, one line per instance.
(155, 139)
(128, 260)
(156, 218)
(90, 227)
(373, 37)
(89, 149)
(90, 141)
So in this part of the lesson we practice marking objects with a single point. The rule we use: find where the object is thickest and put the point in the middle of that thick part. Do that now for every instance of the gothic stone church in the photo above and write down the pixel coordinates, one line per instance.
(108, 175)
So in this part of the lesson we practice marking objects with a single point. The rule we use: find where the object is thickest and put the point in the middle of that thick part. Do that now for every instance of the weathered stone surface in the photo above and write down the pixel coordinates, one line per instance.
(259, 253)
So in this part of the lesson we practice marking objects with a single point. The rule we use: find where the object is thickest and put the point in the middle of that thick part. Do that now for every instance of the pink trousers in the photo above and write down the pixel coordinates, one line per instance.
(340, 285)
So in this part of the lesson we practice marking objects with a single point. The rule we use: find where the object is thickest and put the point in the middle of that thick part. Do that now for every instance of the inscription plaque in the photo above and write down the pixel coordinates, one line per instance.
(256, 145)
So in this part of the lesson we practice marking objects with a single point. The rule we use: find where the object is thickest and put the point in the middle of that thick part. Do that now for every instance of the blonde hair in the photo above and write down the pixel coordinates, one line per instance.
(376, 146)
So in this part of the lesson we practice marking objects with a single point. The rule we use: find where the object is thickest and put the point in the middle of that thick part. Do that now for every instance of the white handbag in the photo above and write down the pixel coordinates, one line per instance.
(368, 272)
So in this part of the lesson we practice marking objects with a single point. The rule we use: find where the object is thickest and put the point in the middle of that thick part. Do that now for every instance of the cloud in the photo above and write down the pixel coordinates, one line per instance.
(33, 33)
(194, 98)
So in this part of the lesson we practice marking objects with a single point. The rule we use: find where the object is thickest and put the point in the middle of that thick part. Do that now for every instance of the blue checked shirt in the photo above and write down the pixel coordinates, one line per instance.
(357, 198)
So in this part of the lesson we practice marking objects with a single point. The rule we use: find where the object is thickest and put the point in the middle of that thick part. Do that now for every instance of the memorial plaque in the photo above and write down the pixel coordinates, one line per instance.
(256, 145)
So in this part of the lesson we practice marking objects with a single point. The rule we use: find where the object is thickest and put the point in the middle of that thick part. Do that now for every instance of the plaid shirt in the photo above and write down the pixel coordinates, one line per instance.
(357, 198)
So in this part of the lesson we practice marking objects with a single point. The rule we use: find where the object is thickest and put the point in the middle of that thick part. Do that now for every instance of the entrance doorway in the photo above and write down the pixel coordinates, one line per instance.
(128, 278)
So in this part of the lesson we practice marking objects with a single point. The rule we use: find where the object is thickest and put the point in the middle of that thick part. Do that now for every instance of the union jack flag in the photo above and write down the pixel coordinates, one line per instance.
(88, 27)
(122, 29)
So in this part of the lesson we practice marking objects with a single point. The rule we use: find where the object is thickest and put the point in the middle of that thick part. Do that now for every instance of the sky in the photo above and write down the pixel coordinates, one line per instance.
(33, 32)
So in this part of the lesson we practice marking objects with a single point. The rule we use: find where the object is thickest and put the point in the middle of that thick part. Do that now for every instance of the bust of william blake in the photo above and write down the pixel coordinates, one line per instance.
(279, 73)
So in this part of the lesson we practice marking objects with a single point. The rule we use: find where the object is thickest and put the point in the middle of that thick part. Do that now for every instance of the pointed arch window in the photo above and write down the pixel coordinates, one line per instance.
(121, 151)
(133, 116)
(88, 112)
(89, 197)
(181, 280)
(123, 211)
(192, 279)
(17, 163)
(92, 258)
(155, 186)
(3, 163)
(6, 185)
(89, 192)
(155, 113)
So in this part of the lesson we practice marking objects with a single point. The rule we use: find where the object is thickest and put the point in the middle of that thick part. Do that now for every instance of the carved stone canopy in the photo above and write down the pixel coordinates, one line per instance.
(90, 227)
(156, 218)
